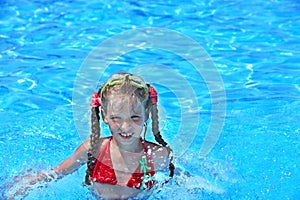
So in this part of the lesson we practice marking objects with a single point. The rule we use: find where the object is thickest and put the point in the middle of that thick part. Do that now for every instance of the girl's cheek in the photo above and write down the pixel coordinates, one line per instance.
(138, 122)
(114, 125)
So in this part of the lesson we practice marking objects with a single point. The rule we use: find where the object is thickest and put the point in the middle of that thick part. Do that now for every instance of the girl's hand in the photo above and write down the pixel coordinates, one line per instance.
(23, 184)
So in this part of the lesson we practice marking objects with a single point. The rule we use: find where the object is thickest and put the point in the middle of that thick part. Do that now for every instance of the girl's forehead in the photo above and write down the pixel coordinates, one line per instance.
(123, 103)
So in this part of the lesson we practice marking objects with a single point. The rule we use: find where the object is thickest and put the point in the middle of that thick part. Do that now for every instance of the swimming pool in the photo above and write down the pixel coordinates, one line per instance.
(254, 46)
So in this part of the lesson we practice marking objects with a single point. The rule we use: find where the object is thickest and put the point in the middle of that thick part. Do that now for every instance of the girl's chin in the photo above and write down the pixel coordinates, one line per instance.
(130, 144)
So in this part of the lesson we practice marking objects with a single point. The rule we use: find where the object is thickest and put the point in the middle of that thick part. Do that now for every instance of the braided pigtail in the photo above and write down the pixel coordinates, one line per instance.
(94, 137)
(155, 127)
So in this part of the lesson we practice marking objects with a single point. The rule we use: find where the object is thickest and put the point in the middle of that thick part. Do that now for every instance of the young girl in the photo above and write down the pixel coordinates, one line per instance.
(123, 165)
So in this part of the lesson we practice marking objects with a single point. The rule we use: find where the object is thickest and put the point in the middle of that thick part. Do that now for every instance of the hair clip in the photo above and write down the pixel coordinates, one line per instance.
(153, 95)
(96, 101)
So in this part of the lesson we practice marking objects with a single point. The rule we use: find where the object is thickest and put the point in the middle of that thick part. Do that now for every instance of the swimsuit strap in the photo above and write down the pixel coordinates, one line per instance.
(103, 171)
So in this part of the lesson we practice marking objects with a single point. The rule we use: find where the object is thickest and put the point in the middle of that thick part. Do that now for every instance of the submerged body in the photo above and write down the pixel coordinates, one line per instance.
(123, 163)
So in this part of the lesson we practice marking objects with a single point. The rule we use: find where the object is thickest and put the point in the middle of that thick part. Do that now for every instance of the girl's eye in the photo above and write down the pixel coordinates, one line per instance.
(135, 118)
(114, 118)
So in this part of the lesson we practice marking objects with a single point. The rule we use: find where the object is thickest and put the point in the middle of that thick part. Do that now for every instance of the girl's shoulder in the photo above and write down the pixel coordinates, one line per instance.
(87, 144)
(160, 154)
(156, 147)
(103, 139)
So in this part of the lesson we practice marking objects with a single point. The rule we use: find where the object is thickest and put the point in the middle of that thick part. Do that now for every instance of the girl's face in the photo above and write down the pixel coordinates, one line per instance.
(125, 116)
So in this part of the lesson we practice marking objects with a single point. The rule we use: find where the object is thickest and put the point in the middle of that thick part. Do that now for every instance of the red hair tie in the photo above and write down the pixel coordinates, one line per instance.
(96, 101)
(153, 95)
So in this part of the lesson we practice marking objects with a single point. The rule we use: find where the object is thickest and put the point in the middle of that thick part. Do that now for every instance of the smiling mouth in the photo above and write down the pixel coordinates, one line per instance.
(126, 135)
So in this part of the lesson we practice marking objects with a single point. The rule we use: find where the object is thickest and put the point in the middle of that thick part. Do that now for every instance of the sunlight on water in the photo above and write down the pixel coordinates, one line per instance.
(254, 45)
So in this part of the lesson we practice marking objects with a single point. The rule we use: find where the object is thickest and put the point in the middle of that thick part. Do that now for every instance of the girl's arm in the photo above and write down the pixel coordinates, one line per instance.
(25, 183)
(75, 161)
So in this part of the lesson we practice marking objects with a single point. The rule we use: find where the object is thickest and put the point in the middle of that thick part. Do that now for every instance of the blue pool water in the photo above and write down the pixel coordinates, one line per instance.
(254, 46)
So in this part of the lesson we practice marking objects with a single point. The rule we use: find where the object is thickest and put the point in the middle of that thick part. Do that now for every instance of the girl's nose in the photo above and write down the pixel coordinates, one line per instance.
(125, 125)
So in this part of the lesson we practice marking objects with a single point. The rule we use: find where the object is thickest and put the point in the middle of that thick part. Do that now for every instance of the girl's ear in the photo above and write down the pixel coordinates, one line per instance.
(103, 114)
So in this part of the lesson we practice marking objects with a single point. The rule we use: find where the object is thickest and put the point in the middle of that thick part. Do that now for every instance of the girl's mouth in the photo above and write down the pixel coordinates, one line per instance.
(126, 135)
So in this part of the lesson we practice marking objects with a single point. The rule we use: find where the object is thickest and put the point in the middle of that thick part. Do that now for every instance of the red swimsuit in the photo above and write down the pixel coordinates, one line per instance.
(104, 173)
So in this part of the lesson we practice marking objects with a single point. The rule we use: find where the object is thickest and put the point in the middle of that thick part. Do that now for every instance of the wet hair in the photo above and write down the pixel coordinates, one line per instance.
(125, 88)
